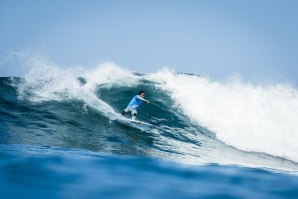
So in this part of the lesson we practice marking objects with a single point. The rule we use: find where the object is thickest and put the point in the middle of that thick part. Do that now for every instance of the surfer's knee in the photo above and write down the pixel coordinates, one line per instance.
(133, 112)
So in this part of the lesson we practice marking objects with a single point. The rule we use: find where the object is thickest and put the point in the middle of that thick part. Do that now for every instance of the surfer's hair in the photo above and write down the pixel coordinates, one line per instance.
(141, 91)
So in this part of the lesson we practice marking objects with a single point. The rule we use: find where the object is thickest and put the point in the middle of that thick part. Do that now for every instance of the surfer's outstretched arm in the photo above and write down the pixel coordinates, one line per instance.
(147, 101)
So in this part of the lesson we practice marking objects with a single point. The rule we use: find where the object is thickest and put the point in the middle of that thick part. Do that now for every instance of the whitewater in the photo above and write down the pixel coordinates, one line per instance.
(250, 118)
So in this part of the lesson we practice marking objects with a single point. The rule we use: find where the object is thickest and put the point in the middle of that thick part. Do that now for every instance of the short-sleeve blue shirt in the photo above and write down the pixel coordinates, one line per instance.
(135, 102)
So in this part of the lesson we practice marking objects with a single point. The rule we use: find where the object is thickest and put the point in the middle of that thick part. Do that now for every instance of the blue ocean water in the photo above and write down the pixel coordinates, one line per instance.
(48, 172)
(59, 137)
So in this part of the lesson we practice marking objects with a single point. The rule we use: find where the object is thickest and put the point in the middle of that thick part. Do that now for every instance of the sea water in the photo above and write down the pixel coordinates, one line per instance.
(59, 137)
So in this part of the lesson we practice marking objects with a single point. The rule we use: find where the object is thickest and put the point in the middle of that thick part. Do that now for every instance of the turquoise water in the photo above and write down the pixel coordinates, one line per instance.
(59, 137)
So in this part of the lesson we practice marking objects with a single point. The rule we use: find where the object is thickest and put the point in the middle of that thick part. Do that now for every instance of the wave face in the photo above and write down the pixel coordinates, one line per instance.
(200, 121)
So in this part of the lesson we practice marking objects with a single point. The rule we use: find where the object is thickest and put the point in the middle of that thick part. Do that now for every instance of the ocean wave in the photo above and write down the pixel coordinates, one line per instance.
(199, 121)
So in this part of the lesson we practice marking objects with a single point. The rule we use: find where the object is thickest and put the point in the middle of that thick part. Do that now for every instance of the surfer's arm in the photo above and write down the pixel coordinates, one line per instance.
(147, 101)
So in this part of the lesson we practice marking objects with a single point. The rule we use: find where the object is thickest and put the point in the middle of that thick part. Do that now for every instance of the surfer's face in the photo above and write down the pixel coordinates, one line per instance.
(142, 95)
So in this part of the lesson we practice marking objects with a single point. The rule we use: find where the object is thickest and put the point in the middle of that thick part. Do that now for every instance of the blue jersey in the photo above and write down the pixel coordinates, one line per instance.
(135, 102)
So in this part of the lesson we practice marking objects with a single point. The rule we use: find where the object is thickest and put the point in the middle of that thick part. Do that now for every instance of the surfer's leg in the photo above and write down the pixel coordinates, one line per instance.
(125, 111)
(134, 114)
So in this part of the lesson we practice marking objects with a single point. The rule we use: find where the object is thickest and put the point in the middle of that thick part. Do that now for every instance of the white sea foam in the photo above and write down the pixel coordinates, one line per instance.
(251, 118)
(46, 81)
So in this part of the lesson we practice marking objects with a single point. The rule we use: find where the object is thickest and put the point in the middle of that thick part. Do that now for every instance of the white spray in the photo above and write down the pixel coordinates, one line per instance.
(45, 81)
(251, 118)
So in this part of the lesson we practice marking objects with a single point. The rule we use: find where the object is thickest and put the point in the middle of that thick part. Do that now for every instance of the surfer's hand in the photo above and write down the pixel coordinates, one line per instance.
(147, 101)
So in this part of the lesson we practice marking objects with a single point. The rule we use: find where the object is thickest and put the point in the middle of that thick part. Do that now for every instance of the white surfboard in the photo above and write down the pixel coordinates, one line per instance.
(135, 123)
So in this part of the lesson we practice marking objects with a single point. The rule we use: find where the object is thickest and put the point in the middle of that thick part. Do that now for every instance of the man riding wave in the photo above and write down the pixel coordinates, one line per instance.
(134, 103)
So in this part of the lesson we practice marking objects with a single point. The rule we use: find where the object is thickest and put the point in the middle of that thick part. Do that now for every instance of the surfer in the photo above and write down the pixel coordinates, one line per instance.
(134, 103)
